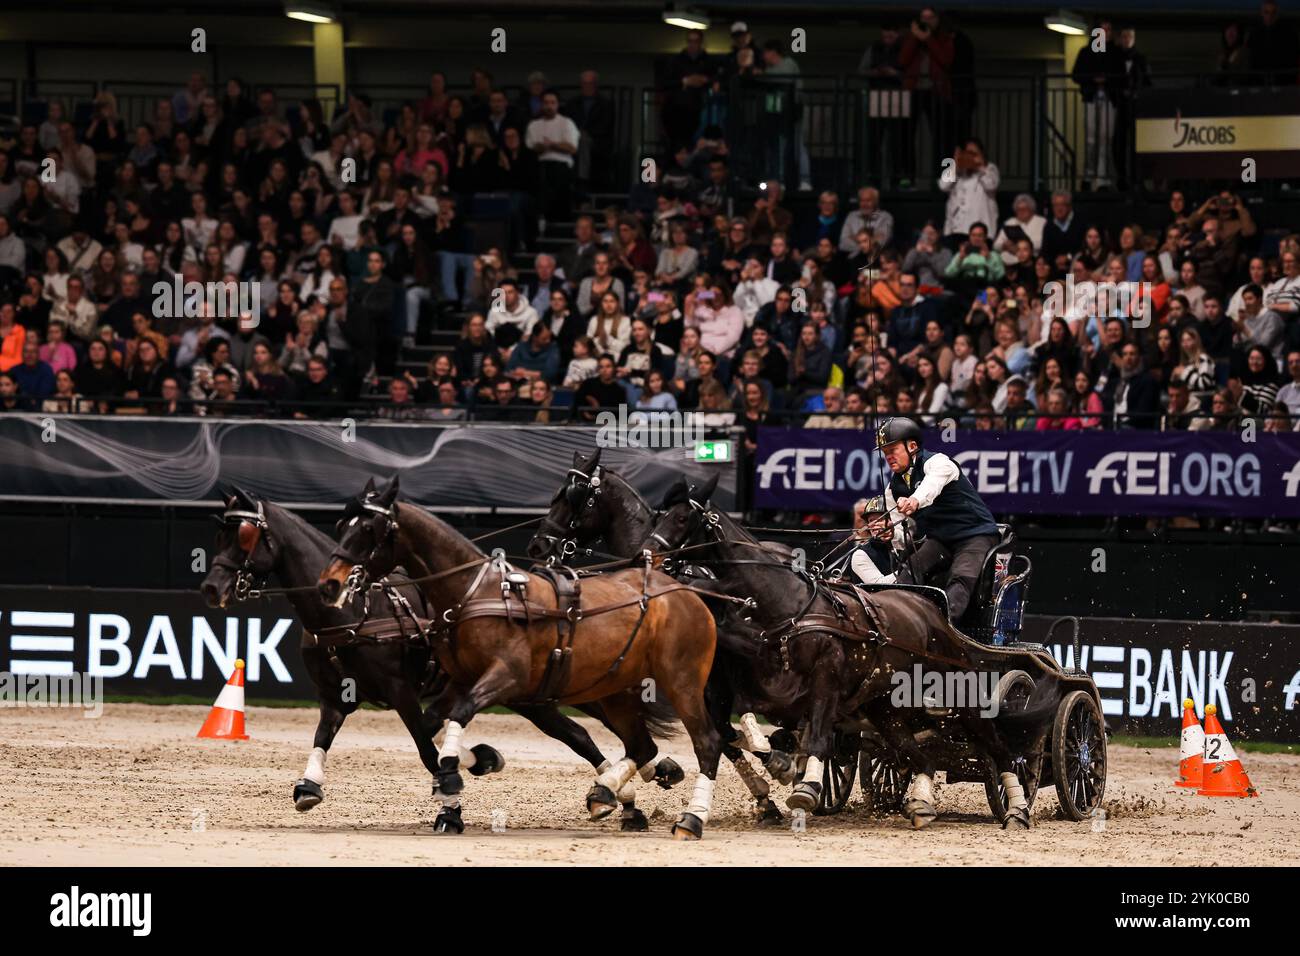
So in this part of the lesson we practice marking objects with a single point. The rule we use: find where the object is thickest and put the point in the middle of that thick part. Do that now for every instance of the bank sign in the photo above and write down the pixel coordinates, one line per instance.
(1056, 473)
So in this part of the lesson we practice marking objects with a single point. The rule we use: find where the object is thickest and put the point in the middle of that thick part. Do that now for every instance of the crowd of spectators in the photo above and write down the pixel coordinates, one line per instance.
(699, 292)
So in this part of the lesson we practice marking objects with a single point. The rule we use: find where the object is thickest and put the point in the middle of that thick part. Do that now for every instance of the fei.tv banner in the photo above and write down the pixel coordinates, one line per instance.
(1216, 474)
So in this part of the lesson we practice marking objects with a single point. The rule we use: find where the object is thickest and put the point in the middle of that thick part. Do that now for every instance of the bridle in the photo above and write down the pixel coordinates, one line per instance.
(252, 528)
(582, 491)
(359, 576)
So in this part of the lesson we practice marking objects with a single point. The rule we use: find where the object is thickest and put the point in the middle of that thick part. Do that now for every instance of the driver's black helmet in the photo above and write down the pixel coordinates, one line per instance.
(897, 429)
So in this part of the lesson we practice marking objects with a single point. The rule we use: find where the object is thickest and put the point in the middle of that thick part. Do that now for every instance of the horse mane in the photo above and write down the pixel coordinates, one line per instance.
(640, 500)
(434, 525)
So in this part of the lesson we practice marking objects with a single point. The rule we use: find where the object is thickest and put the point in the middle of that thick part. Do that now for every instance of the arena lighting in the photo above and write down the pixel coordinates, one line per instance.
(310, 12)
(1067, 22)
(688, 18)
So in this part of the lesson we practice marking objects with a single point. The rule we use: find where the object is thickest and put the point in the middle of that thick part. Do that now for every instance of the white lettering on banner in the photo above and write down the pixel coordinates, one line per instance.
(1291, 691)
(1203, 677)
(109, 652)
(1150, 473)
(814, 469)
(1291, 480)
(160, 629)
(202, 637)
(259, 650)
(121, 627)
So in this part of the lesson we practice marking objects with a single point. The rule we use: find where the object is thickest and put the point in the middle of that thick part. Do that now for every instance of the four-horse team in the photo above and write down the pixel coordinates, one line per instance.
(693, 620)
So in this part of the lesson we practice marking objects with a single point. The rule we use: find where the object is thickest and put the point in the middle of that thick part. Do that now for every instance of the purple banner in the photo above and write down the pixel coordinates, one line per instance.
(1212, 474)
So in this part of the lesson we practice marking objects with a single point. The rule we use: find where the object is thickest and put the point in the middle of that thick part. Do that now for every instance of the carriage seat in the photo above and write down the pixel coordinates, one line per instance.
(997, 606)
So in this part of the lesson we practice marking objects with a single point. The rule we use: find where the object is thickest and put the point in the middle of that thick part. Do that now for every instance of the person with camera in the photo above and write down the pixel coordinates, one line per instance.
(971, 183)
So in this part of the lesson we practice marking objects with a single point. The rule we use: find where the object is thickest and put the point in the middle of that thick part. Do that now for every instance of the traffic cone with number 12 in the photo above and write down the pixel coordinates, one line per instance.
(1224, 775)
(1192, 750)
(226, 719)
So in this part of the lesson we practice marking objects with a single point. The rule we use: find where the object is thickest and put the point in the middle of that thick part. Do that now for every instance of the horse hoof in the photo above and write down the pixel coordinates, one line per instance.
(688, 827)
(668, 773)
(449, 821)
(1017, 819)
(634, 822)
(486, 760)
(600, 802)
(780, 766)
(771, 816)
(306, 794)
(804, 797)
(449, 783)
(919, 813)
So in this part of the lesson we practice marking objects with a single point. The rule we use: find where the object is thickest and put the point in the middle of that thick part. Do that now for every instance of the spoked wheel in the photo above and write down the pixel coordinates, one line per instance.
(884, 780)
(837, 774)
(997, 794)
(1079, 755)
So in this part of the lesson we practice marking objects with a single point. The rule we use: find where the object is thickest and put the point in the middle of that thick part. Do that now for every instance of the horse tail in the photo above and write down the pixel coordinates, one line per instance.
(660, 719)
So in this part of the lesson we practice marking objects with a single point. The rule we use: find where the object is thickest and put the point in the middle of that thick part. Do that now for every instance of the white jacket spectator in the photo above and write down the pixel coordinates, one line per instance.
(523, 316)
(752, 294)
(557, 129)
(13, 251)
(972, 188)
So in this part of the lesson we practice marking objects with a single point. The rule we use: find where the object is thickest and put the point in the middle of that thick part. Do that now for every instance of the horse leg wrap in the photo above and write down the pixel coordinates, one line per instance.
(923, 788)
(466, 756)
(647, 772)
(627, 795)
(315, 771)
(447, 802)
(617, 775)
(752, 737)
(813, 771)
(702, 799)
(756, 784)
(1015, 792)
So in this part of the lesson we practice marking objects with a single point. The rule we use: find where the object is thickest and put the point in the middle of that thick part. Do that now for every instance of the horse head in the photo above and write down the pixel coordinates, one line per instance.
(367, 547)
(243, 553)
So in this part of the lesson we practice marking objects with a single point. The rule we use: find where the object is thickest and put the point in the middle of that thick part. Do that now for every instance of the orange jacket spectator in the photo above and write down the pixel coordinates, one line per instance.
(12, 341)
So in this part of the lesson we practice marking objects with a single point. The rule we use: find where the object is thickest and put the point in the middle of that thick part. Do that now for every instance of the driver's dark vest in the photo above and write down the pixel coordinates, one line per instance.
(958, 512)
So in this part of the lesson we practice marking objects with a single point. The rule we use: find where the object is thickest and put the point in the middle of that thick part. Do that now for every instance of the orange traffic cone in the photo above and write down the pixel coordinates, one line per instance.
(1192, 750)
(1224, 775)
(226, 719)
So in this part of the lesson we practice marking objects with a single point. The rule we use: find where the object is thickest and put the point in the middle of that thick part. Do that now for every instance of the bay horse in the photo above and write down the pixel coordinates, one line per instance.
(367, 651)
(596, 503)
(501, 636)
(825, 656)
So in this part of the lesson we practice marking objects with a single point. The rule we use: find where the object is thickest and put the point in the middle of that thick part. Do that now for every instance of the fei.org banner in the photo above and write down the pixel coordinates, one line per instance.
(1054, 473)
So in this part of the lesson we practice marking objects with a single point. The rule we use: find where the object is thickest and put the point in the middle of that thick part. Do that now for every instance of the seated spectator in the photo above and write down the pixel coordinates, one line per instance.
(975, 264)
(35, 378)
(511, 317)
(1085, 402)
(264, 379)
(1129, 391)
(1288, 396)
(641, 355)
(317, 390)
(99, 377)
(146, 371)
(1024, 224)
(655, 397)
(714, 408)
(601, 392)
(601, 281)
(832, 414)
(1260, 382)
(608, 326)
(64, 399)
(1018, 411)
(811, 366)
(536, 357)
(56, 352)
(719, 322)
(1056, 415)
(1184, 412)
(10, 400)
(867, 216)
(447, 407)
(1224, 412)
(928, 260)
(76, 312)
(1195, 367)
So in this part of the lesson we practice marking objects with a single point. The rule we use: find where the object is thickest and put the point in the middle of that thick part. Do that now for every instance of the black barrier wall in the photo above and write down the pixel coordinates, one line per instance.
(165, 643)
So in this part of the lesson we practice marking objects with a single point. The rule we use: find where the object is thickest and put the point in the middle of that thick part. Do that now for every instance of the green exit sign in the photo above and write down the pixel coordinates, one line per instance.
(713, 451)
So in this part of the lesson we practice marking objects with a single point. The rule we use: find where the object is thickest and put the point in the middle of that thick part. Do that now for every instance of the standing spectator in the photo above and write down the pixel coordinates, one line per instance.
(1099, 70)
(593, 115)
(972, 188)
(555, 138)
(1137, 77)
(689, 74)
(1273, 48)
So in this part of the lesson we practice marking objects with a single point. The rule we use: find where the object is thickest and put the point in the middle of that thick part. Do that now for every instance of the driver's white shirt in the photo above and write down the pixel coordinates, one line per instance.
(939, 471)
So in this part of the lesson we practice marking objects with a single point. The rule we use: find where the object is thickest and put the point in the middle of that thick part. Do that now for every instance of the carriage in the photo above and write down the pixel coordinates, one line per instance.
(1064, 744)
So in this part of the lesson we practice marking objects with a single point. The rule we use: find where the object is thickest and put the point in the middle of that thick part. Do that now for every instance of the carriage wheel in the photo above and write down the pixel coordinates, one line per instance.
(997, 794)
(884, 780)
(837, 774)
(1079, 755)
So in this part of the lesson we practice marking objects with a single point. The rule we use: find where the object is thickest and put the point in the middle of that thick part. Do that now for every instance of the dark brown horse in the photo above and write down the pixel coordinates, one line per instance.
(824, 657)
(502, 639)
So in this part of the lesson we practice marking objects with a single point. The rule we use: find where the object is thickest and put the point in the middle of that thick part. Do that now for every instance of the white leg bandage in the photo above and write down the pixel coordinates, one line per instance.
(752, 737)
(447, 741)
(923, 788)
(1015, 792)
(627, 793)
(647, 772)
(604, 765)
(315, 771)
(812, 773)
(702, 799)
(617, 775)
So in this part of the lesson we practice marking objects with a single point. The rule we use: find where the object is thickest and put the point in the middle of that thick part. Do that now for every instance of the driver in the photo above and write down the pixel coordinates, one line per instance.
(957, 527)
